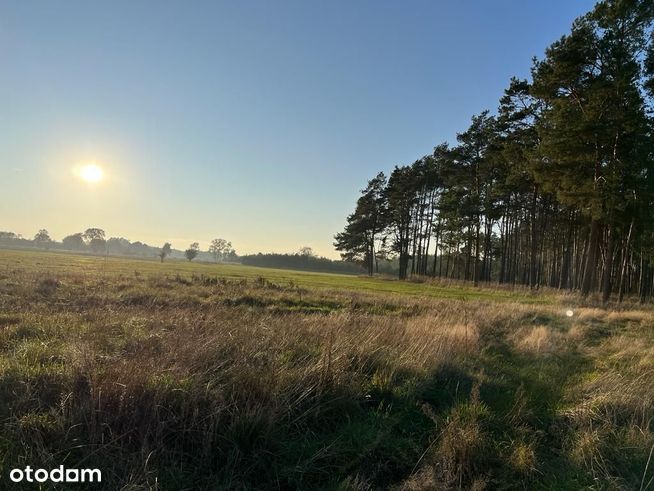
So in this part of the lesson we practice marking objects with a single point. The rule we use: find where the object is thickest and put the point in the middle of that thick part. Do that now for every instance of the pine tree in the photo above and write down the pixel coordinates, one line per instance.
(359, 239)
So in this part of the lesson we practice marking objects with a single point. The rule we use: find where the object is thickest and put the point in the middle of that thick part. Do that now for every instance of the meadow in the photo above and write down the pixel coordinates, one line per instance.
(188, 376)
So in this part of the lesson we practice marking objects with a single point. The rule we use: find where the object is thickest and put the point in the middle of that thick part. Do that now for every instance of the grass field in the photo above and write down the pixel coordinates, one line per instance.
(195, 376)
(98, 267)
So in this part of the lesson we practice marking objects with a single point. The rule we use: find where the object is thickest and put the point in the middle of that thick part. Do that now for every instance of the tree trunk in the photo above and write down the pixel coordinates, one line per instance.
(591, 258)
(608, 265)
(477, 244)
(533, 243)
(625, 258)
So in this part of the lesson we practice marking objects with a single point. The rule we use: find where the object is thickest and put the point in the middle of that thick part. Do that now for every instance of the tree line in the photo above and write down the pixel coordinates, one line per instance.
(554, 189)
(93, 240)
(302, 260)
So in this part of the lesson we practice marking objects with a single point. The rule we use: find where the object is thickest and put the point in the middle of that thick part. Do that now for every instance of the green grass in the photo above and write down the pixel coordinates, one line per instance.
(201, 376)
(94, 267)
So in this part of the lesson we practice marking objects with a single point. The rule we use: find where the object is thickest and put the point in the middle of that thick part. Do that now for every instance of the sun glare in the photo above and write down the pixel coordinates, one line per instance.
(91, 173)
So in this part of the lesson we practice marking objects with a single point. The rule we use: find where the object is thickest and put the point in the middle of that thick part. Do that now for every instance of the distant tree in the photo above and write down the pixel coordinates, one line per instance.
(220, 249)
(94, 237)
(118, 245)
(9, 236)
(42, 239)
(165, 251)
(300, 263)
(93, 233)
(138, 248)
(193, 251)
(97, 245)
(74, 242)
(231, 255)
(306, 251)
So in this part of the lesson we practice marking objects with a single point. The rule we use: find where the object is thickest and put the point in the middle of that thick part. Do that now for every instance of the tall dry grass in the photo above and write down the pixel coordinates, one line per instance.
(167, 382)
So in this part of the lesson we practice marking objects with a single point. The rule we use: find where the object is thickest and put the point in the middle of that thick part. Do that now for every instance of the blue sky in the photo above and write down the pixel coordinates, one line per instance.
(255, 121)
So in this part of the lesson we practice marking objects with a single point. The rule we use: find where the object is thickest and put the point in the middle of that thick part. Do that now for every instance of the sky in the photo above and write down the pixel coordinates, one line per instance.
(254, 121)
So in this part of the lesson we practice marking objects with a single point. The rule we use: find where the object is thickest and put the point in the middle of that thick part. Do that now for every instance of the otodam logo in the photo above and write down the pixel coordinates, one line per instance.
(60, 474)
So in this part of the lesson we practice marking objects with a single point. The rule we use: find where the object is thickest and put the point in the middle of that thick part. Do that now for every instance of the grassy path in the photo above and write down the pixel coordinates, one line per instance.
(525, 392)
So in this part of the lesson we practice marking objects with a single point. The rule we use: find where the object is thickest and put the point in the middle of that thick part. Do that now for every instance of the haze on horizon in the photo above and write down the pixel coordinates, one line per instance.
(244, 120)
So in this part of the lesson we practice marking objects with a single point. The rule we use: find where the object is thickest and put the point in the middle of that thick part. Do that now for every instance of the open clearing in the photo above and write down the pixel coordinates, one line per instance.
(95, 268)
(196, 376)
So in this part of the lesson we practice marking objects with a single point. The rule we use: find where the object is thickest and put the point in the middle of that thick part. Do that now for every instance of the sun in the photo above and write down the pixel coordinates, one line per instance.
(91, 173)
